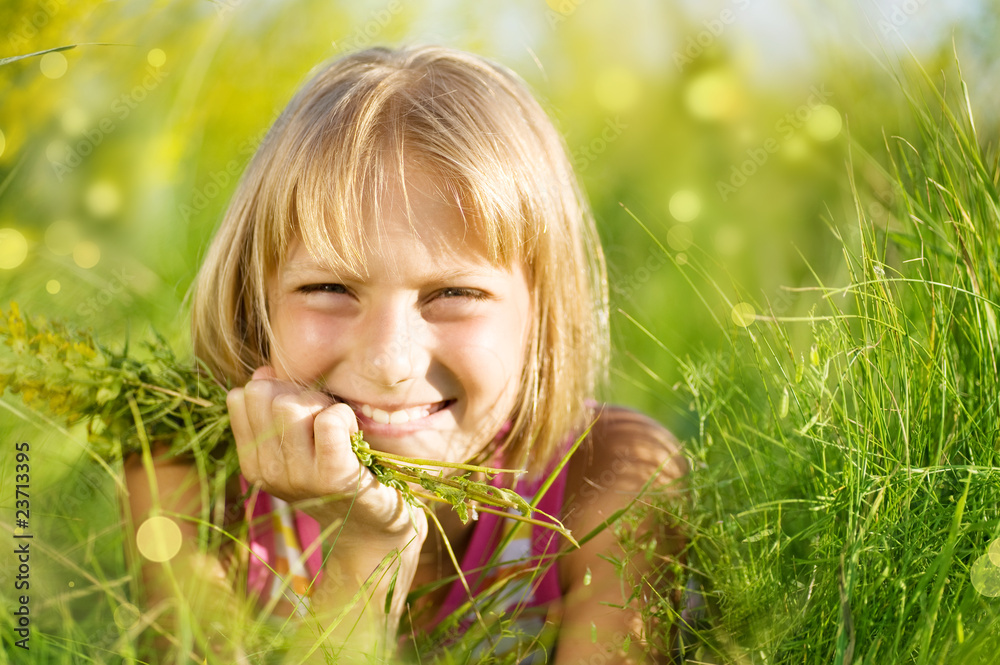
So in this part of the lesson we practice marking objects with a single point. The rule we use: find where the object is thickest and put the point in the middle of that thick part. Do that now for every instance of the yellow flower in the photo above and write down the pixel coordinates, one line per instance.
(59, 404)
(84, 350)
(29, 394)
(16, 326)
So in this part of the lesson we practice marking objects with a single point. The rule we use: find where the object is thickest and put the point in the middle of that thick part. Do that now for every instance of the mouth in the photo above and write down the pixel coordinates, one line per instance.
(396, 415)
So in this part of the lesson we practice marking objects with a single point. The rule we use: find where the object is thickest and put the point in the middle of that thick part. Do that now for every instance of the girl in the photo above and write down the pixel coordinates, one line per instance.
(409, 254)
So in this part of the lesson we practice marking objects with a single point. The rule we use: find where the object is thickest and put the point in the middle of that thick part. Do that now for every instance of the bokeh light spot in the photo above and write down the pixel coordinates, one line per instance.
(681, 259)
(72, 584)
(156, 57)
(53, 65)
(86, 254)
(126, 615)
(13, 248)
(61, 237)
(53, 286)
(824, 123)
(617, 88)
(158, 538)
(714, 95)
(103, 198)
(74, 120)
(744, 314)
(994, 552)
(685, 205)
(986, 576)
(680, 237)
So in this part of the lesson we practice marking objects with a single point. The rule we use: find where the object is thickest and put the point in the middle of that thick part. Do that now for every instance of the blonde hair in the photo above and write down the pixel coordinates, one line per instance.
(477, 129)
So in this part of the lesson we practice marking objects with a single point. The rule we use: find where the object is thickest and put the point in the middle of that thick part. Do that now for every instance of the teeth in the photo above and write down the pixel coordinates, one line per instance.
(383, 417)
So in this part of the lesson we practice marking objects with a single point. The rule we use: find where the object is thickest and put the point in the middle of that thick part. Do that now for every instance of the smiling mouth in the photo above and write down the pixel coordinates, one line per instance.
(399, 416)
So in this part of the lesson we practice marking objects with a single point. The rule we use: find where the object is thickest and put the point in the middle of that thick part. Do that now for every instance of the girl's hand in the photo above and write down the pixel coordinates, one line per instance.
(296, 444)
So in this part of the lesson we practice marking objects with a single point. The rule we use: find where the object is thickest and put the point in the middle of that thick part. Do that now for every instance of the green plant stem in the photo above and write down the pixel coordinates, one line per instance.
(556, 526)
(416, 461)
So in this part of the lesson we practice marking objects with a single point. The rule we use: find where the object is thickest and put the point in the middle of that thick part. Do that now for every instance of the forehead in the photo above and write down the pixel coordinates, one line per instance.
(417, 225)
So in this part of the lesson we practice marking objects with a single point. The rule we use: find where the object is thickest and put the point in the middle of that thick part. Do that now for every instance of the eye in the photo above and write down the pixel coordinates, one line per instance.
(462, 292)
(322, 288)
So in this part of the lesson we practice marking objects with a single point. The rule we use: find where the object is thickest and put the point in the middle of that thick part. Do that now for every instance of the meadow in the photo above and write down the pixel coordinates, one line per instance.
(803, 275)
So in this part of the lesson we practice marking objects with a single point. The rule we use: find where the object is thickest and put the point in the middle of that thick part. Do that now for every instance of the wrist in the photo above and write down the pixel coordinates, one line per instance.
(358, 549)
(369, 582)
(356, 530)
(364, 548)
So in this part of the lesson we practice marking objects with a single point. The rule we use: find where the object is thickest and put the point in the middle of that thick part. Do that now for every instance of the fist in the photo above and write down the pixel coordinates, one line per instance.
(296, 445)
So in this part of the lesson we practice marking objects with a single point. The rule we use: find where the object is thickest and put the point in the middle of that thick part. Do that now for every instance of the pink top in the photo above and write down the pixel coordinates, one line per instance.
(271, 549)
(511, 551)
(288, 542)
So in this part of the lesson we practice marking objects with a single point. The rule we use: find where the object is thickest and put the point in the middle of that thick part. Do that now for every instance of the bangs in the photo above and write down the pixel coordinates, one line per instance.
(346, 155)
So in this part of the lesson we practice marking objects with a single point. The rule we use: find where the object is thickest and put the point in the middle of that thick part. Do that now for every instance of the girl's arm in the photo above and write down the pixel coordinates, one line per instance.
(295, 444)
(623, 452)
(192, 589)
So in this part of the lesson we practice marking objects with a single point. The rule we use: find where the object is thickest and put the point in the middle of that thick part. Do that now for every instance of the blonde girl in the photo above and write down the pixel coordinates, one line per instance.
(409, 254)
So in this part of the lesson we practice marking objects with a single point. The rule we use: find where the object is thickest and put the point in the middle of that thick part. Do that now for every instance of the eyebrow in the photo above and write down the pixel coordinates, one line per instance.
(294, 269)
(310, 267)
(451, 275)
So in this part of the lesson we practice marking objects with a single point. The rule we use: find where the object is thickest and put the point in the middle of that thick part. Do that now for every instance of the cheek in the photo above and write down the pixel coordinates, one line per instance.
(490, 355)
(303, 341)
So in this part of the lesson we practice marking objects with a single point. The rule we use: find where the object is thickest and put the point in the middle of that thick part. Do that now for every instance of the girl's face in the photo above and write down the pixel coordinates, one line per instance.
(427, 346)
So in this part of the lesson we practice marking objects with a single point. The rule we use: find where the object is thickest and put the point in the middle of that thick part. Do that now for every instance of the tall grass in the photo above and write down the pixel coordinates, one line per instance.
(845, 485)
(846, 468)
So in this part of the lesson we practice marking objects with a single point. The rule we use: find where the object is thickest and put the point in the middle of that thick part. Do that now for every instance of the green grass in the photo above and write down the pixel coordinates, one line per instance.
(845, 474)
(846, 469)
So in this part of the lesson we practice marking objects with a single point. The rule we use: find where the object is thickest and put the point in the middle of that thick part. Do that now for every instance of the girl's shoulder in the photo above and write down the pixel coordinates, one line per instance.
(624, 454)
(624, 451)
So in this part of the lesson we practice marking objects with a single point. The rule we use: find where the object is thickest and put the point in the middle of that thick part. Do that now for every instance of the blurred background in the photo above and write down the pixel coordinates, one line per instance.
(725, 128)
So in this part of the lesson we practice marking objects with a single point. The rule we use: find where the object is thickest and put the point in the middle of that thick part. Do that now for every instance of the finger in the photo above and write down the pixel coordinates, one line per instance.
(260, 395)
(335, 461)
(294, 415)
(246, 448)
(266, 435)
(375, 502)
(264, 372)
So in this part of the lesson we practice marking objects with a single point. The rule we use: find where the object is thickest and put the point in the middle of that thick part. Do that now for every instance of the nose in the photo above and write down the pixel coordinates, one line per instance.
(391, 344)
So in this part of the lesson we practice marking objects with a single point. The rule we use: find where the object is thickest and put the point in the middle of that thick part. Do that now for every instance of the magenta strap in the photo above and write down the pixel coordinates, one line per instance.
(485, 538)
